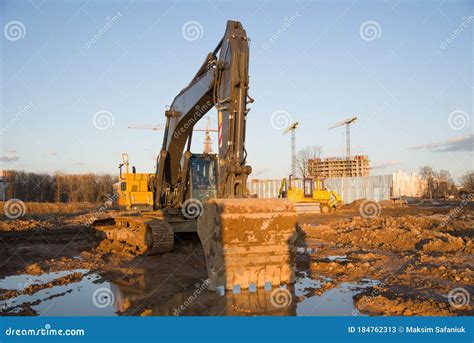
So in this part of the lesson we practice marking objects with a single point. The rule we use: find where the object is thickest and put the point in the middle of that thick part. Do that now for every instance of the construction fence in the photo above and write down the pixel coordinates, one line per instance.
(378, 187)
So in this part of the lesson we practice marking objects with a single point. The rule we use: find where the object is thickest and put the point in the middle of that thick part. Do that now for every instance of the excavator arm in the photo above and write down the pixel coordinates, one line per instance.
(221, 82)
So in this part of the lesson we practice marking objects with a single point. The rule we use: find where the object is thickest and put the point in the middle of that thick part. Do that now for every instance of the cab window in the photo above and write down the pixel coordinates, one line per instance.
(308, 188)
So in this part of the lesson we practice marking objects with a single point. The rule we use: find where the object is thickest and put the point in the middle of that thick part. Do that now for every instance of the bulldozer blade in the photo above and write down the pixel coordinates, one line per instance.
(248, 242)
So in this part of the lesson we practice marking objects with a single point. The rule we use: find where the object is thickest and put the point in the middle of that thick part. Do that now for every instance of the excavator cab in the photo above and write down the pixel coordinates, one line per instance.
(203, 176)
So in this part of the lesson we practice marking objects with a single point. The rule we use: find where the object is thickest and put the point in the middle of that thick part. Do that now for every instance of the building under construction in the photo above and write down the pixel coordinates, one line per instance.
(339, 166)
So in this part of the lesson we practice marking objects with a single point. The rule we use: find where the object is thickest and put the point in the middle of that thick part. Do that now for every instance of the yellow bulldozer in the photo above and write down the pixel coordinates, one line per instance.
(312, 193)
(246, 241)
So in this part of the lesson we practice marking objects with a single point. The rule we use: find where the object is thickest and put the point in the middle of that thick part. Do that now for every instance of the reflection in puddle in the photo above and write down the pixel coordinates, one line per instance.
(75, 298)
(337, 301)
(304, 250)
(136, 292)
(337, 258)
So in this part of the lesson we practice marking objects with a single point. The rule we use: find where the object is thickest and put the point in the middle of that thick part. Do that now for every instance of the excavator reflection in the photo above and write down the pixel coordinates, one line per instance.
(135, 293)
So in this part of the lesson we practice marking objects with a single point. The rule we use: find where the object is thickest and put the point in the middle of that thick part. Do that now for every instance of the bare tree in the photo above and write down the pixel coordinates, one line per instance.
(440, 184)
(444, 184)
(467, 180)
(304, 155)
(427, 174)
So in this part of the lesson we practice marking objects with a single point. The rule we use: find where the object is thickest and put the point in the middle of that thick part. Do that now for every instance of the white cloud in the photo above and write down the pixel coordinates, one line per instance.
(458, 143)
(385, 164)
(9, 156)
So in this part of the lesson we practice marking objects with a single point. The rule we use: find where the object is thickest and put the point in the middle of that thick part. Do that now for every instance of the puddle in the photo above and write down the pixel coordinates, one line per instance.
(337, 258)
(304, 250)
(89, 297)
(94, 296)
(337, 301)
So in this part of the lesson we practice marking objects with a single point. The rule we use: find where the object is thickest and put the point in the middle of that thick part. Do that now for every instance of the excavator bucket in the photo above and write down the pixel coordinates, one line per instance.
(248, 242)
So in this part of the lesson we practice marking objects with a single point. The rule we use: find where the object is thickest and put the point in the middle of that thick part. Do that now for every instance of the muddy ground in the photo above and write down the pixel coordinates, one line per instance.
(403, 260)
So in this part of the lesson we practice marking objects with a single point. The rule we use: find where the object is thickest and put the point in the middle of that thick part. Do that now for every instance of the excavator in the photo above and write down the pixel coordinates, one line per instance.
(247, 242)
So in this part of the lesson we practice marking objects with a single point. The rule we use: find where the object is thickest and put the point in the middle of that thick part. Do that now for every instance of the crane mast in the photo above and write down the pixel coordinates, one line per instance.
(292, 129)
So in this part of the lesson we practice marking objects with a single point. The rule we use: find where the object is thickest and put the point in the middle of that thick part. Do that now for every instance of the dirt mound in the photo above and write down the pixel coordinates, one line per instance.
(418, 261)
(57, 208)
(397, 234)
(353, 205)
(381, 305)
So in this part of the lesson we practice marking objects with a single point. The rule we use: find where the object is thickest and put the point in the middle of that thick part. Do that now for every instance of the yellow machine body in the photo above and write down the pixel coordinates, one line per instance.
(133, 189)
(313, 192)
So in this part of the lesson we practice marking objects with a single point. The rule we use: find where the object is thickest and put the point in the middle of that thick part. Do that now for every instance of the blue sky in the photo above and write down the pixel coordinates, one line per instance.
(410, 84)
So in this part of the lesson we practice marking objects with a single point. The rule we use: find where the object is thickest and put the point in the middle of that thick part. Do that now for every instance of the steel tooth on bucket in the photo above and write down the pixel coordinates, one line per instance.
(248, 242)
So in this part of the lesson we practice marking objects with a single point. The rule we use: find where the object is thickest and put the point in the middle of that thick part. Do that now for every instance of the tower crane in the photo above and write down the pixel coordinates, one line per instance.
(207, 130)
(348, 123)
(292, 129)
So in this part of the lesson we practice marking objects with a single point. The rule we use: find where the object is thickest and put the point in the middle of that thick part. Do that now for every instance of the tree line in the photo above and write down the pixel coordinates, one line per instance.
(440, 184)
(58, 187)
